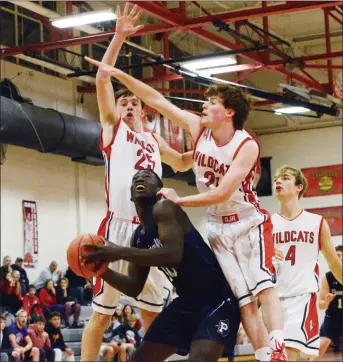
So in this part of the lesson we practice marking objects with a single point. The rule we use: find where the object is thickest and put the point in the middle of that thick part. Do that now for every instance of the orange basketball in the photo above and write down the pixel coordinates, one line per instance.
(76, 251)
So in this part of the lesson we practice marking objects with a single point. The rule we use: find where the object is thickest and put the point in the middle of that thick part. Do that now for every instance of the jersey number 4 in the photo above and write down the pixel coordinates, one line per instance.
(143, 157)
(291, 254)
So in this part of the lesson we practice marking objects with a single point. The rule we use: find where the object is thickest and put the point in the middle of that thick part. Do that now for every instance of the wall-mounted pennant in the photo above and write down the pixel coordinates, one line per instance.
(30, 234)
(333, 215)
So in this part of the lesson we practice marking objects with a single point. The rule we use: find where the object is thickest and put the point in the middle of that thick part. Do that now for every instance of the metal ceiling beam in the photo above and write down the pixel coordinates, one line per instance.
(311, 58)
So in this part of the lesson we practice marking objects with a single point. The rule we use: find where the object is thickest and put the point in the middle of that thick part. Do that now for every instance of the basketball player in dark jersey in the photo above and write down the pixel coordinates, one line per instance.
(331, 299)
(203, 321)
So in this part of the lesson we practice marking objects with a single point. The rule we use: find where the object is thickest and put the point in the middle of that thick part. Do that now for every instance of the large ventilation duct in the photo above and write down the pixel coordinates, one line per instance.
(47, 130)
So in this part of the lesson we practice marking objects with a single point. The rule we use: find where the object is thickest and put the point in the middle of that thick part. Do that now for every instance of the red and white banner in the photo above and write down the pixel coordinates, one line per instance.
(323, 181)
(30, 234)
(333, 215)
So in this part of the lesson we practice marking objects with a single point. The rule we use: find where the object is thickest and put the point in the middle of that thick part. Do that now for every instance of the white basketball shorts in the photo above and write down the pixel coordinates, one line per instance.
(301, 316)
(106, 298)
(244, 249)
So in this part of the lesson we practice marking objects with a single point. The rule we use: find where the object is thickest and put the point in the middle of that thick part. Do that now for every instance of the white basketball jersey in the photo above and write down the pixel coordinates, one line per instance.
(211, 162)
(299, 240)
(127, 153)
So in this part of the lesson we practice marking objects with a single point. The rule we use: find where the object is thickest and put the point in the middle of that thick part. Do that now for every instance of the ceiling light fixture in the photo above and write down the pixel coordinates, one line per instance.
(209, 65)
(290, 110)
(83, 18)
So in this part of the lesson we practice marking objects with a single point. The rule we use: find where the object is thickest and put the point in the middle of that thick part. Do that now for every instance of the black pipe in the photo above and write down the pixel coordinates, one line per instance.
(49, 131)
(161, 61)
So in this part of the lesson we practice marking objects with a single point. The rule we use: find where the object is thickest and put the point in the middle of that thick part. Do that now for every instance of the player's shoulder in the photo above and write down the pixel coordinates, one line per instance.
(311, 216)
(165, 207)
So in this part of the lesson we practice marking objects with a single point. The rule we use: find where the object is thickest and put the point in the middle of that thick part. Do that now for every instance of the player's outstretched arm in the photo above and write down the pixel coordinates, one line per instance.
(178, 161)
(238, 171)
(329, 252)
(125, 26)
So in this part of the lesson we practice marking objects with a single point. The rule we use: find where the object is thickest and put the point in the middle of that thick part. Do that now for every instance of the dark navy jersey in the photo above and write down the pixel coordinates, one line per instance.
(335, 307)
(199, 274)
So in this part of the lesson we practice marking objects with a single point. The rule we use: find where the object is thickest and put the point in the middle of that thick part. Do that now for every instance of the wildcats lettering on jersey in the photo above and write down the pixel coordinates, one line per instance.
(293, 236)
(133, 139)
(208, 161)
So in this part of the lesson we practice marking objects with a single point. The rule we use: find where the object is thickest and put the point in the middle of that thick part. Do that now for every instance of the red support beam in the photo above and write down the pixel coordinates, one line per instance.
(328, 48)
(245, 75)
(182, 7)
(266, 30)
(201, 8)
(335, 18)
(323, 66)
(315, 57)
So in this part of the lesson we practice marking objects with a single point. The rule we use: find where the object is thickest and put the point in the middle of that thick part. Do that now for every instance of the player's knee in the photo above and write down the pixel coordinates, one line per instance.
(267, 295)
(99, 320)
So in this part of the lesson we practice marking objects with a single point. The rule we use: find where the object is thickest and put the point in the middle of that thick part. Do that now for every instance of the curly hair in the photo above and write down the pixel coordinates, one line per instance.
(233, 98)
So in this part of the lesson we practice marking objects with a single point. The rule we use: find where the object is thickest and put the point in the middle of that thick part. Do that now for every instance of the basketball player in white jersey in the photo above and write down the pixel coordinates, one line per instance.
(240, 232)
(300, 235)
(126, 149)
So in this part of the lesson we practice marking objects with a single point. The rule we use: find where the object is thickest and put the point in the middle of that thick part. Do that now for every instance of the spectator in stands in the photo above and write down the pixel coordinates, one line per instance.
(6, 354)
(41, 340)
(53, 328)
(127, 312)
(119, 312)
(24, 281)
(10, 293)
(49, 273)
(5, 268)
(71, 306)
(126, 335)
(16, 278)
(31, 303)
(48, 299)
(79, 287)
(18, 339)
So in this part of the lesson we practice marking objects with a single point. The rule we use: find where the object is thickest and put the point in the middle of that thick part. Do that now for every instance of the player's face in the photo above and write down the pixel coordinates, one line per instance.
(285, 188)
(129, 109)
(144, 185)
(339, 254)
(214, 113)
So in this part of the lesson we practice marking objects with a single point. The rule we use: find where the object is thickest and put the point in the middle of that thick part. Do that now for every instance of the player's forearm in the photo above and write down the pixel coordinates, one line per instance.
(323, 305)
(123, 283)
(111, 55)
(105, 98)
(204, 199)
(159, 257)
(178, 161)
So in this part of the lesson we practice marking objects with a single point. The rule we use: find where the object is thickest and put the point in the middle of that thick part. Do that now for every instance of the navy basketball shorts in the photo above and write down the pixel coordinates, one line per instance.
(185, 321)
(332, 328)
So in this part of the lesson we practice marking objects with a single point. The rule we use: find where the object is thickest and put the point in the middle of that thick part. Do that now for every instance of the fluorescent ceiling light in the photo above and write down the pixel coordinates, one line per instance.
(216, 70)
(290, 110)
(212, 62)
(84, 18)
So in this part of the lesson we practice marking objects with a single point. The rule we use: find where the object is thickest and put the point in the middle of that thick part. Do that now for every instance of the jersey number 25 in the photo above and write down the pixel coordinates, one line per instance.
(143, 157)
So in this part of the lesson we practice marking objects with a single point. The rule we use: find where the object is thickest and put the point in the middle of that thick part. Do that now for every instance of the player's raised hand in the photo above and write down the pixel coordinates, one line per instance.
(125, 24)
(104, 70)
(169, 194)
(329, 298)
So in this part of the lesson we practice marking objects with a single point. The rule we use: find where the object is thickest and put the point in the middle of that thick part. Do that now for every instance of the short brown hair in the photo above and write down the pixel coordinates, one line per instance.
(339, 248)
(3, 318)
(233, 98)
(300, 179)
(125, 93)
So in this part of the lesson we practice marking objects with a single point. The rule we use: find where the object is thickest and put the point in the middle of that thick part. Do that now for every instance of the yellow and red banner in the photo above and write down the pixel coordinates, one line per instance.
(333, 215)
(323, 181)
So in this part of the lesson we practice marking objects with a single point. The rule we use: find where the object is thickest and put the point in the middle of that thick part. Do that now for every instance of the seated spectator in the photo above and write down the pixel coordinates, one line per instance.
(126, 335)
(127, 312)
(71, 306)
(41, 340)
(80, 288)
(6, 354)
(49, 273)
(24, 281)
(18, 339)
(53, 328)
(119, 313)
(48, 299)
(31, 303)
(5, 268)
(10, 293)
(108, 335)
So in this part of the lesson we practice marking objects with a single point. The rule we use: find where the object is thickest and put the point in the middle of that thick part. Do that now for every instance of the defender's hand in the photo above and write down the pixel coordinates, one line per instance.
(169, 194)
(125, 24)
(329, 298)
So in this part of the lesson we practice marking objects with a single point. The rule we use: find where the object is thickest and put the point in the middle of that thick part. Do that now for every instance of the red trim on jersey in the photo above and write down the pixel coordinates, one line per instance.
(316, 270)
(197, 140)
(268, 246)
(320, 234)
(115, 131)
(241, 145)
(293, 217)
(153, 134)
(225, 144)
(310, 324)
(103, 225)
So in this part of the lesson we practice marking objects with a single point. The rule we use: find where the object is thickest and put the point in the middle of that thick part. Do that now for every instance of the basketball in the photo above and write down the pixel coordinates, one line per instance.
(76, 251)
